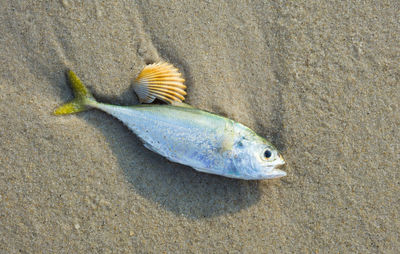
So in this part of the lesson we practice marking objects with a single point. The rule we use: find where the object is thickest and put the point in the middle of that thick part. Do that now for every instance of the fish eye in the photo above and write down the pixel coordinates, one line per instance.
(267, 154)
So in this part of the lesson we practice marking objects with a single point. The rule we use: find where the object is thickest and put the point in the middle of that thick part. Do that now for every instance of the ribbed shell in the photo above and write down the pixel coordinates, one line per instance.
(160, 80)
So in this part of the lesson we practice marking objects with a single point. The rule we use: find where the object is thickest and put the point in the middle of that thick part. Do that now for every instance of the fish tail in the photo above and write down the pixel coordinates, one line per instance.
(83, 99)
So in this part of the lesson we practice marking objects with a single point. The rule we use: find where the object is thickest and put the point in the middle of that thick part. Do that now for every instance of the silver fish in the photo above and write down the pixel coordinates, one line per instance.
(204, 141)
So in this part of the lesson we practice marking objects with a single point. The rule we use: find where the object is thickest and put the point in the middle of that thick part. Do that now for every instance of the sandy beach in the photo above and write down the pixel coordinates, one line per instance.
(319, 79)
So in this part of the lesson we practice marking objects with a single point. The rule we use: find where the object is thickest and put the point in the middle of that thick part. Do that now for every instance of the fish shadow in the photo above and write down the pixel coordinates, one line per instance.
(177, 188)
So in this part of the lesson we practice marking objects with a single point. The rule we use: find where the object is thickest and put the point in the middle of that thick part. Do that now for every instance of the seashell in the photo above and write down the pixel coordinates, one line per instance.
(162, 81)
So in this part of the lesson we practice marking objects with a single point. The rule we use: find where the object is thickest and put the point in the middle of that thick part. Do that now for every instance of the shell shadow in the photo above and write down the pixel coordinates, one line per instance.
(177, 188)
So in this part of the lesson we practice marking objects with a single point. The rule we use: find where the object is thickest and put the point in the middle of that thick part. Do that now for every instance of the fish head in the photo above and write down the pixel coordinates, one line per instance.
(255, 158)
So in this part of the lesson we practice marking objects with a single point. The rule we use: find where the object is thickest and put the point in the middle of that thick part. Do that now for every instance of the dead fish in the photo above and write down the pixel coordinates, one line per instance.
(181, 133)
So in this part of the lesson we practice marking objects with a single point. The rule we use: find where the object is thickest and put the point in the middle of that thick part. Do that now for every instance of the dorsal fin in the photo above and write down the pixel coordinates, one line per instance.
(160, 80)
(181, 104)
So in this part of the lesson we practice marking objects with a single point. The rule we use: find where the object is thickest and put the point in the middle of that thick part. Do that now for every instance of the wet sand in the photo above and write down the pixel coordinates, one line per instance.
(319, 79)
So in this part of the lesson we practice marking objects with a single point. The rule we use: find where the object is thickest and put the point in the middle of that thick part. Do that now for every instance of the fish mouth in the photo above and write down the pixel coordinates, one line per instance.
(280, 162)
(276, 171)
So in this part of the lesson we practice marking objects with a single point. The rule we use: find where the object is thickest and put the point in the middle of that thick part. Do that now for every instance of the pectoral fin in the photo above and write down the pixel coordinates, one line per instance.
(227, 145)
(228, 138)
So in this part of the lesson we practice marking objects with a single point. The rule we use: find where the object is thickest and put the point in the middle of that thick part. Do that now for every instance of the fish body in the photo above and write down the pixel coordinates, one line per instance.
(189, 136)
(183, 134)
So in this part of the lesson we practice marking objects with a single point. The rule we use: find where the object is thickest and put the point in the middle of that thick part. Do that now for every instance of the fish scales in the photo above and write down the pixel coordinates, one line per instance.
(184, 135)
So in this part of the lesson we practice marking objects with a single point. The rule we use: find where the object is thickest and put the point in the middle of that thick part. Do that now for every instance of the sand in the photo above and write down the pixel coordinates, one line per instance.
(320, 79)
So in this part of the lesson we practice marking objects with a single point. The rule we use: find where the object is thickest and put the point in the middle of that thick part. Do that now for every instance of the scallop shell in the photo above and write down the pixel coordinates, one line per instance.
(160, 80)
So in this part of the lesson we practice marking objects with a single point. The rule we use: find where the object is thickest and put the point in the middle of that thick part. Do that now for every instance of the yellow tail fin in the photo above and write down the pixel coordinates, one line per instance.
(82, 97)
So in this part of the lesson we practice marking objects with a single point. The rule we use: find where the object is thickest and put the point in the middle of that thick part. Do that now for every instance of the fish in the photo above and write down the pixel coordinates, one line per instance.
(183, 134)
